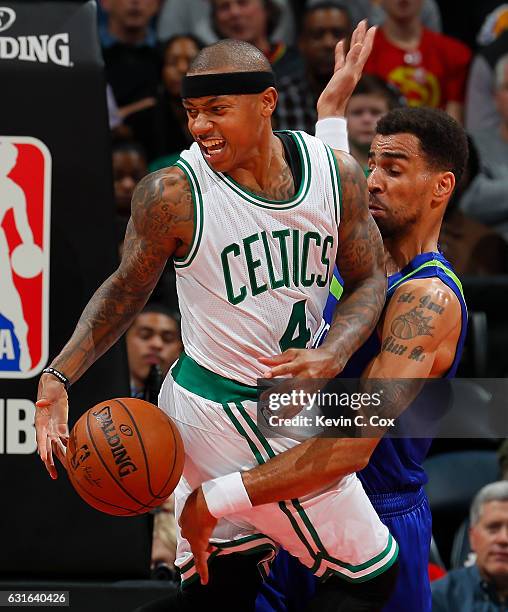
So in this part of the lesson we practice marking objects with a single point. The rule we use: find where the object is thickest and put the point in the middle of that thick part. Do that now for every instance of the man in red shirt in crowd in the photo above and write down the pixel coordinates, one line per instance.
(430, 69)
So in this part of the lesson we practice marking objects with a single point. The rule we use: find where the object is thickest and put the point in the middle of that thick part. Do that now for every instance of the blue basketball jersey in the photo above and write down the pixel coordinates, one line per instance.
(393, 478)
(396, 463)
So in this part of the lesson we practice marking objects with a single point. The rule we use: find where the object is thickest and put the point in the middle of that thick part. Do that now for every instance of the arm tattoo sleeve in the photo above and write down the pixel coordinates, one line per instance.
(360, 259)
(161, 221)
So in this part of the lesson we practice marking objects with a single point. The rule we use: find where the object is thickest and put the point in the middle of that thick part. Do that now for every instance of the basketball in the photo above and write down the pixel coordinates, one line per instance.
(124, 456)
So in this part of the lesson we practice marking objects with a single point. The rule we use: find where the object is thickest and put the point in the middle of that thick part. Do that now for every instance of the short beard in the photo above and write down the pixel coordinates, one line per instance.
(390, 229)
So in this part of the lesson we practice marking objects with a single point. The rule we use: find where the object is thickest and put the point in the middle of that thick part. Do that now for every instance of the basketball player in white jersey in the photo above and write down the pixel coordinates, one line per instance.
(254, 222)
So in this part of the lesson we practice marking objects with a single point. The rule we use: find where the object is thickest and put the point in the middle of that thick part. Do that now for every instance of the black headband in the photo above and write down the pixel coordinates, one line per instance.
(226, 83)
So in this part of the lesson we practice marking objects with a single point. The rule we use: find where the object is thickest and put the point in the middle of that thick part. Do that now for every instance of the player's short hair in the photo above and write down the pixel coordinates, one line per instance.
(495, 491)
(230, 55)
(442, 139)
(373, 85)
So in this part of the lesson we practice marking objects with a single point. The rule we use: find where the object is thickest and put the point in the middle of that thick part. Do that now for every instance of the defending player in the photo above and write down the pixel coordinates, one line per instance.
(252, 222)
(415, 161)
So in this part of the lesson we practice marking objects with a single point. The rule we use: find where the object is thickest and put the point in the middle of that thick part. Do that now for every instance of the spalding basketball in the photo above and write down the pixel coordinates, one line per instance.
(125, 456)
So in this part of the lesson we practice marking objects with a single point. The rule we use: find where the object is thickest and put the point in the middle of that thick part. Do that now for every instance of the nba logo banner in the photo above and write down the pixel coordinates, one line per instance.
(25, 194)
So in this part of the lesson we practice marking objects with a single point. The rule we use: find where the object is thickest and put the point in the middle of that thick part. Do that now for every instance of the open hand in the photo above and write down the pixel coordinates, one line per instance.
(51, 427)
(347, 72)
(197, 525)
(303, 363)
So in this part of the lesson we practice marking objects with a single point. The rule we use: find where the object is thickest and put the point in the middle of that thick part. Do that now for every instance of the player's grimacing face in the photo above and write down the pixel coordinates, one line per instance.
(400, 182)
(227, 128)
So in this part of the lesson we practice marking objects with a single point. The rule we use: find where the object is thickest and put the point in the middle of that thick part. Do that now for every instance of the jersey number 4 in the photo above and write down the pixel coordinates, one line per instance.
(297, 334)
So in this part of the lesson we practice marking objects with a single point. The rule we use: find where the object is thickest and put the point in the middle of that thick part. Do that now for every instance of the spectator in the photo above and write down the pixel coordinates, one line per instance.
(195, 17)
(472, 247)
(483, 587)
(132, 65)
(430, 15)
(374, 13)
(486, 199)
(254, 21)
(153, 345)
(129, 167)
(178, 53)
(323, 25)
(371, 99)
(481, 111)
(430, 69)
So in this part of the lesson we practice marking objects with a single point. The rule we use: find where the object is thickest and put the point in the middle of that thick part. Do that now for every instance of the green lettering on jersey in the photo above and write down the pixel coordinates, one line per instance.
(296, 259)
(308, 236)
(322, 280)
(232, 298)
(281, 236)
(252, 264)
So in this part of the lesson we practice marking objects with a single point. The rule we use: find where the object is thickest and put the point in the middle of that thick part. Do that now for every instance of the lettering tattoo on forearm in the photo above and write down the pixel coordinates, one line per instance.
(162, 212)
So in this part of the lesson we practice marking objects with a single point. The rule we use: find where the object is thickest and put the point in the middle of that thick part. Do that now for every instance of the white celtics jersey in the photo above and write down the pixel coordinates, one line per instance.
(256, 278)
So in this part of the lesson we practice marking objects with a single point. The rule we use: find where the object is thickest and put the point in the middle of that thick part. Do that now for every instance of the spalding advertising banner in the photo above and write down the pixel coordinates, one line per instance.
(25, 200)
(58, 243)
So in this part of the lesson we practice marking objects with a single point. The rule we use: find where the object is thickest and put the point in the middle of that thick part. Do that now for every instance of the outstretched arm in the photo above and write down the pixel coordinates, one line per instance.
(161, 224)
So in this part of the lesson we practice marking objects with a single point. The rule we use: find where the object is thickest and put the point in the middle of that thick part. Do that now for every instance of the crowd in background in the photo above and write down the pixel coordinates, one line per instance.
(439, 53)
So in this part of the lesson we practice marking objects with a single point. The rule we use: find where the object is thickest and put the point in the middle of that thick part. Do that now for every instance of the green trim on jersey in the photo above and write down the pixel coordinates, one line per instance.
(245, 546)
(336, 289)
(200, 381)
(300, 522)
(277, 204)
(437, 264)
(205, 383)
(197, 199)
(337, 185)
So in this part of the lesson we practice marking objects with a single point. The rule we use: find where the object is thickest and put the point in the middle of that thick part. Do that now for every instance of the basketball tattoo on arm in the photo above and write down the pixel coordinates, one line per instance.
(419, 320)
(360, 261)
(161, 224)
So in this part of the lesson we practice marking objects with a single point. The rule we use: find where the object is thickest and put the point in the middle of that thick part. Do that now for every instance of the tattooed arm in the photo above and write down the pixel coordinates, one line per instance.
(161, 225)
(420, 332)
(360, 260)
(421, 329)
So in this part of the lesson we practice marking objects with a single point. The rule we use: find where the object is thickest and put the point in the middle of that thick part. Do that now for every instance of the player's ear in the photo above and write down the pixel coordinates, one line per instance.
(268, 101)
(444, 186)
